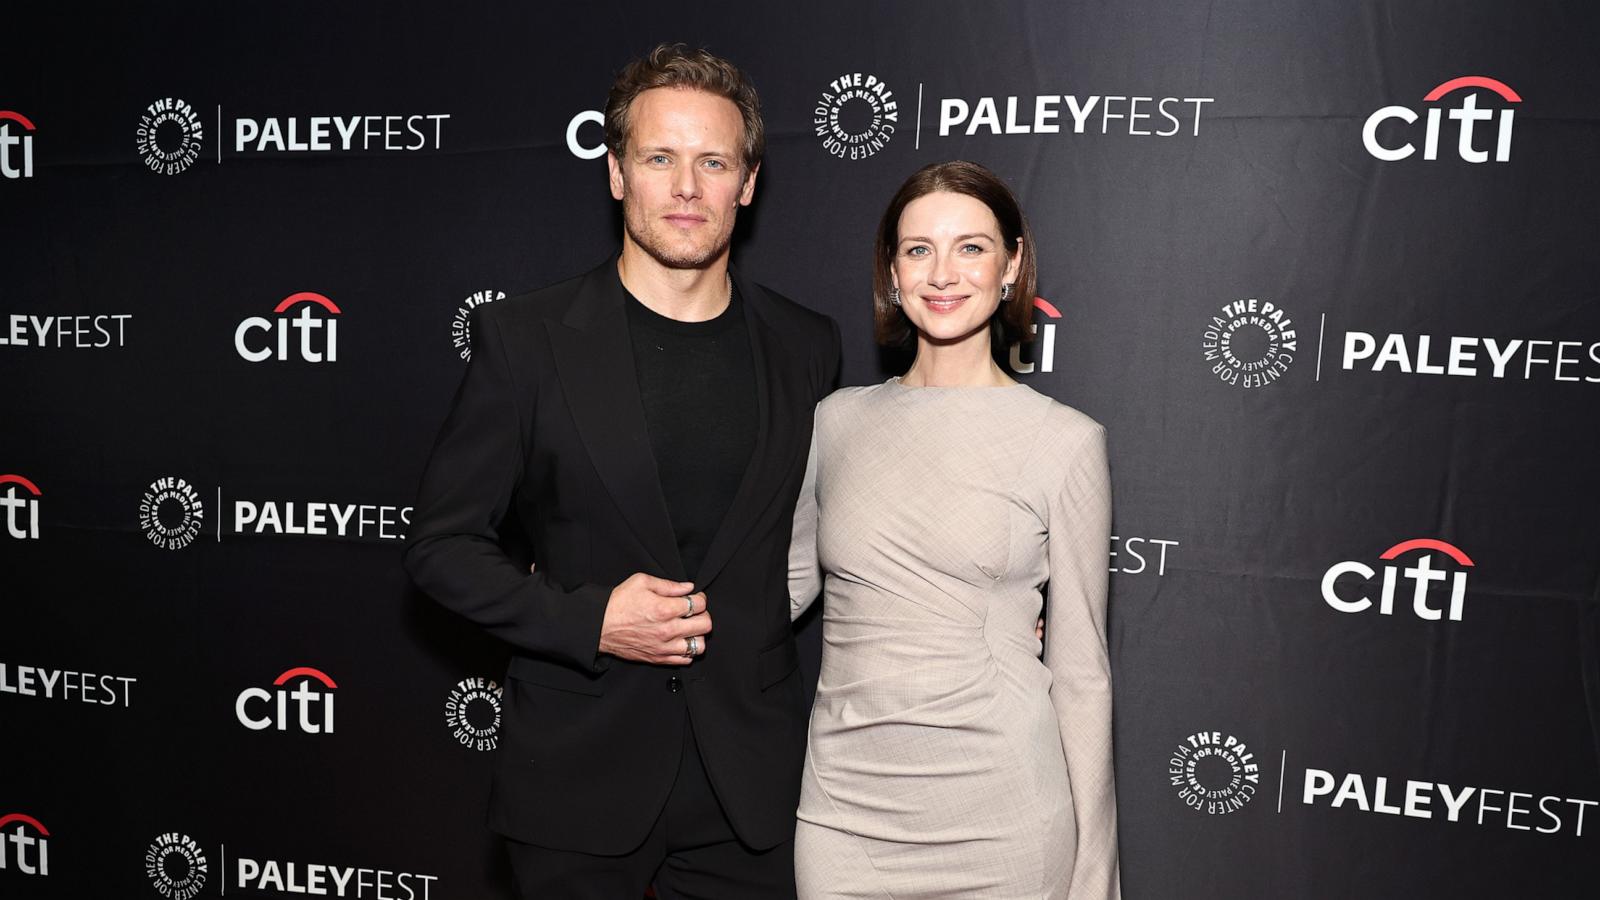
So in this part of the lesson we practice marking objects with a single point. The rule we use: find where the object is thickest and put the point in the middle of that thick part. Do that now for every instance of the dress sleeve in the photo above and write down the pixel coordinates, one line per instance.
(1080, 668)
(805, 571)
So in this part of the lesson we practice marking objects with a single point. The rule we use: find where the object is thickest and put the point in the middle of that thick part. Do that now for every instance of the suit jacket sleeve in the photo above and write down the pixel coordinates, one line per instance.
(833, 357)
(1075, 652)
(453, 550)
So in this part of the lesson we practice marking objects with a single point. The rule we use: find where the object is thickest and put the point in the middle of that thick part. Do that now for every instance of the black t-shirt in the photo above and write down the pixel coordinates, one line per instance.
(697, 381)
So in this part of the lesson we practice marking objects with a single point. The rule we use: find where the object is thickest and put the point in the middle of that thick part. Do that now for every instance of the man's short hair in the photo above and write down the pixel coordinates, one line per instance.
(678, 66)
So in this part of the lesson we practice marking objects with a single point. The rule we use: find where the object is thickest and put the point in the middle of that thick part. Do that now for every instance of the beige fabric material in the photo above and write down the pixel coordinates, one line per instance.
(945, 760)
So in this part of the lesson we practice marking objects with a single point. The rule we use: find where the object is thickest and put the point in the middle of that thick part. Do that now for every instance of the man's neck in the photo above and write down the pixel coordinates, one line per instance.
(687, 295)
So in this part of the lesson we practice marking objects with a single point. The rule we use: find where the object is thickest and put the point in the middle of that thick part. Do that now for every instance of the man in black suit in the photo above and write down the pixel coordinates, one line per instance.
(647, 425)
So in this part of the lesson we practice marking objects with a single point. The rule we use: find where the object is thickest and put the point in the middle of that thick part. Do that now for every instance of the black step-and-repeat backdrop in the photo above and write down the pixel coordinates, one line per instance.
(1327, 272)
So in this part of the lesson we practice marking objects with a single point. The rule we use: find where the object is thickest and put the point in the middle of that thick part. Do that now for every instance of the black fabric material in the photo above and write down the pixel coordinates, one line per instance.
(691, 852)
(548, 432)
(697, 384)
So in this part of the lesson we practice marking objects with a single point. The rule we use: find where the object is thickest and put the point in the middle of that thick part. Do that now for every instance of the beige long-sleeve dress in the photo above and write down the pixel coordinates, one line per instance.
(945, 760)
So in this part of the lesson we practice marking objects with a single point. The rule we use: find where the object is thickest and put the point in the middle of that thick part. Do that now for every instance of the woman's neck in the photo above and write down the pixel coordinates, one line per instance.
(963, 363)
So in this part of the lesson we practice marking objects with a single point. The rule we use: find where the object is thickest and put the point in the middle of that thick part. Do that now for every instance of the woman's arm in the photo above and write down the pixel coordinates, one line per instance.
(1075, 652)
(805, 573)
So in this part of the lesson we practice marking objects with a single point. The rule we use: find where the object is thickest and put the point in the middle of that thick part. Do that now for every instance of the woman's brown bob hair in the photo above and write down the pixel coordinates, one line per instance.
(678, 66)
(1011, 318)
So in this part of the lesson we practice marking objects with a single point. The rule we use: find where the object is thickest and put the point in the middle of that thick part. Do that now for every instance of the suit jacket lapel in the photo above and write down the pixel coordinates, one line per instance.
(594, 357)
(776, 403)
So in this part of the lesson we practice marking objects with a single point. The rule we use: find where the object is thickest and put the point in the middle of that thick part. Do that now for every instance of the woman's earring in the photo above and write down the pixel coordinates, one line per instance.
(1006, 290)
(894, 296)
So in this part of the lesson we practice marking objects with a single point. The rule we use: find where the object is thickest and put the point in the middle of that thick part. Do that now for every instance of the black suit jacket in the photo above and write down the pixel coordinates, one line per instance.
(548, 424)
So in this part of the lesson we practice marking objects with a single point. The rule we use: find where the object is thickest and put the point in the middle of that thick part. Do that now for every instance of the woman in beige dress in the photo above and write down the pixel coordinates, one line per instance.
(940, 508)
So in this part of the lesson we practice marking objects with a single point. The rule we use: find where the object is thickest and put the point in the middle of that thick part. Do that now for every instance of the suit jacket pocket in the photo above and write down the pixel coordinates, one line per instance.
(776, 662)
(555, 675)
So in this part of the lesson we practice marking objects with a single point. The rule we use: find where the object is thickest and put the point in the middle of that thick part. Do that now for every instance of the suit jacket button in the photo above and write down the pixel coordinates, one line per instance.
(674, 685)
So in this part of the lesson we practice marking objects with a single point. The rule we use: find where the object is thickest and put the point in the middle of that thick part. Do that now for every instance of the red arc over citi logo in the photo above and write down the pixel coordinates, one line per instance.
(26, 853)
(319, 334)
(1468, 114)
(8, 166)
(314, 708)
(1045, 353)
(1423, 574)
(22, 513)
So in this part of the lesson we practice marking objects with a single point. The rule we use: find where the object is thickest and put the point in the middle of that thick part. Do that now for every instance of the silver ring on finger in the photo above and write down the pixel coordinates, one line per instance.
(693, 647)
(688, 608)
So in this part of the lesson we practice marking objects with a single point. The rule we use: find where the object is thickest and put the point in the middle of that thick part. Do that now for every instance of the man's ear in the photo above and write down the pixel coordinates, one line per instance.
(749, 192)
(615, 169)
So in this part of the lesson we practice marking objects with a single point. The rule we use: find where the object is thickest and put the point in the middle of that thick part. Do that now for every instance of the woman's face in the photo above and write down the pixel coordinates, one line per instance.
(950, 264)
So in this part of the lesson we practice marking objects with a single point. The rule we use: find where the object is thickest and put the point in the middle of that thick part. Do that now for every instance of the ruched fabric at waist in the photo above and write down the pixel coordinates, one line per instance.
(883, 669)
(917, 725)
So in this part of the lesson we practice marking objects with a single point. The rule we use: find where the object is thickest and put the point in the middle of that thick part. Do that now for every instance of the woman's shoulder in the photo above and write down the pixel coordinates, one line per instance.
(846, 400)
(1066, 426)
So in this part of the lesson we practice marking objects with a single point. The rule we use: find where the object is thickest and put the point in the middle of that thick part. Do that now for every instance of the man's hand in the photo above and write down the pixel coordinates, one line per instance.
(646, 621)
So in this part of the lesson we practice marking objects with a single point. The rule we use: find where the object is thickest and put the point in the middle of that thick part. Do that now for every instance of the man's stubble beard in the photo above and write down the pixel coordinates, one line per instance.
(648, 236)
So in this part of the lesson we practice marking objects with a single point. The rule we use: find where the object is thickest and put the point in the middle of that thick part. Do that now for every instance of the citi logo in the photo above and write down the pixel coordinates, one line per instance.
(8, 166)
(22, 512)
(1044, 357)
(27, 853)
(259, 709)
(1422, 575)
(1468, 114)
(319, 333)
(575, 145)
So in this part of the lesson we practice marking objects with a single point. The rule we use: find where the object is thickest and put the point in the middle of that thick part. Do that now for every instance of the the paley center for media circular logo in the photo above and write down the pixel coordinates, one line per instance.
(169, 136)
(1251, 344)
(171, 513)
(461, 323)
(176, 866)
(1214, 773)
(856, 115)
(472, 712)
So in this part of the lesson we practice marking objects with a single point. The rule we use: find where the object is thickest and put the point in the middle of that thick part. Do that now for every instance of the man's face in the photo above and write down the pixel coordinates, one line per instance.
(681, 180)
